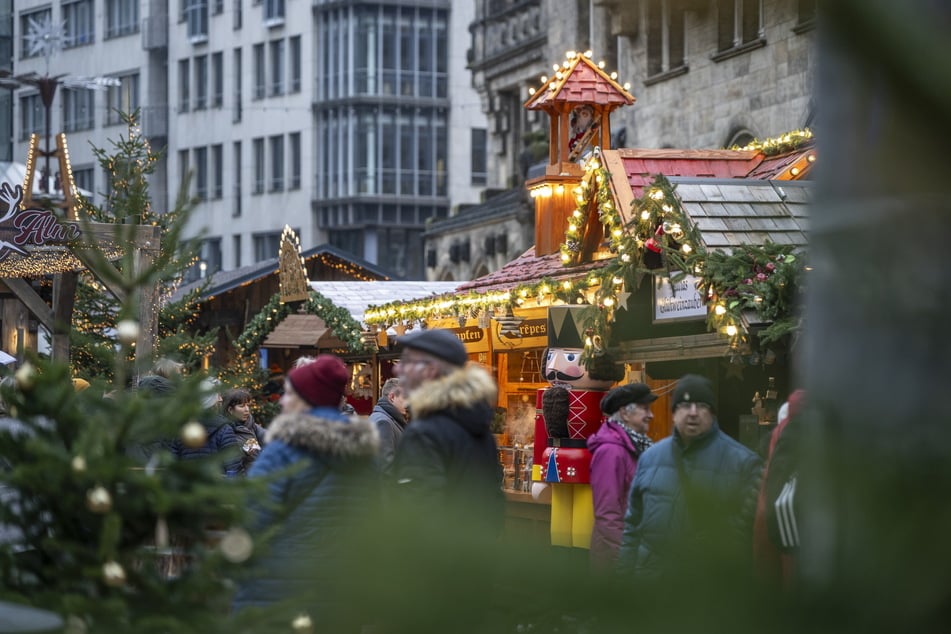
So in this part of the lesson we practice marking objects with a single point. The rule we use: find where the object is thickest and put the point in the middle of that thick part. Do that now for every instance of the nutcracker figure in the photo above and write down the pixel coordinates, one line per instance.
(567, 413)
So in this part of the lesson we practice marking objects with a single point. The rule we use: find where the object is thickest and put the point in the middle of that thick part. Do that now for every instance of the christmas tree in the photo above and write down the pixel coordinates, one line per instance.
(101, 523)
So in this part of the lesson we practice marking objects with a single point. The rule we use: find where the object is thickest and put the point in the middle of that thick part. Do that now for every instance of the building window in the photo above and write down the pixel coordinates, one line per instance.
(236, 210)
(217, 171)
(274, 10)
(183, 174)
(480, 156)
(237, 15)
(79, 27)
(122, 17)
(294, 139)
(32, 116)
(295, 49)
(78, 108)
(236, 110)
(807, 16)
(184, 85)
(665, 36)
(259, 81)
(236, 246)
(258, 149)
(201, 82)
(277, 68)
(738, 23)
(85, 177)
(197, 16)
(217, 80)
(211, 255)
(30, 22)
(218, 7)
(201, 173)
(277, 162)
(266, 245)
(122, 98)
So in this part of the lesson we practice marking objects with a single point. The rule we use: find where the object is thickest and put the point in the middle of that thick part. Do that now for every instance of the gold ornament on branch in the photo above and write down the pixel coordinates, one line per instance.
(128, 331)
(236, 545)
(302, 624)
(113, 574)
(194, 435)
(98, 500)
(78, 464)
(25, 377)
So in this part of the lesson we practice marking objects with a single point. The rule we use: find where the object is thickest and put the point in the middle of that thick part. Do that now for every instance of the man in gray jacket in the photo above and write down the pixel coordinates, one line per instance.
(691, 504)
(390, 417)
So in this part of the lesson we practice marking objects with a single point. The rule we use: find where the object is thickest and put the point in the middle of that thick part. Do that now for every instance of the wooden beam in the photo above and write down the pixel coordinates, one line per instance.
(31, 299)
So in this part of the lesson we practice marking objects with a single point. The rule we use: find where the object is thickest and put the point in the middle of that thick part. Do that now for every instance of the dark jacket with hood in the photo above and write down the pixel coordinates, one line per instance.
(690, 505)
(320, 466)
(220, 438)
(447, 464)
(390, 422)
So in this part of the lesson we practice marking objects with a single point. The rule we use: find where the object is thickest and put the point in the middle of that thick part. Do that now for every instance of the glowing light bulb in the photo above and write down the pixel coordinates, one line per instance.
(731, 330)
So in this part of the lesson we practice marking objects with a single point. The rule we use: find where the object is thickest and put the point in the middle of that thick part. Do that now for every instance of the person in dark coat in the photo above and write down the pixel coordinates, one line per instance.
(615, 448)
(389, 416)
(320, 467)
(219, 434)
(447, 459)
(236, 404)
(691, 505)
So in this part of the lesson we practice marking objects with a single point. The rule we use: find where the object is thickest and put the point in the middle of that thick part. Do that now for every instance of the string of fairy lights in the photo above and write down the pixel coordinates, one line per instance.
(659, 237)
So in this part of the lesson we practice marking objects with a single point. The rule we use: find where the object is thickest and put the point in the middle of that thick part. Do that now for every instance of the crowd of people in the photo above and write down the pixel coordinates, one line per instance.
(425, 465)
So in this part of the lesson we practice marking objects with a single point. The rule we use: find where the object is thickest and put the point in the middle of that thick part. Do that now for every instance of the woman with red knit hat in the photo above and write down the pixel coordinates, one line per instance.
(320, 469)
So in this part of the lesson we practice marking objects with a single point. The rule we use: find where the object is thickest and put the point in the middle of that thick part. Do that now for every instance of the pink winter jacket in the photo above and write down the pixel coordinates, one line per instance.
(613, 462)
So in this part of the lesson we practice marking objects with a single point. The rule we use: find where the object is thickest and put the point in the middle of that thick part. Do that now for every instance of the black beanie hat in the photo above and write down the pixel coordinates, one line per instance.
(693, 388)
(439, 342)
(625, 395)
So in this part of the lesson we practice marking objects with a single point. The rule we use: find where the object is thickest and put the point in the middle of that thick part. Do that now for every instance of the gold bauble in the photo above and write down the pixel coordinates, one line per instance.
(25, 377)
(79, 464)
(302, 624)
(236, 545)
(113, 574)
(75, 625)
(128, 331)
(194, 435)
(98, 500)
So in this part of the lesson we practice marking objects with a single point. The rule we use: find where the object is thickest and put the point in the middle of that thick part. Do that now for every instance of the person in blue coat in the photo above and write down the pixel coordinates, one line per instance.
(692, 501)
(320, 471)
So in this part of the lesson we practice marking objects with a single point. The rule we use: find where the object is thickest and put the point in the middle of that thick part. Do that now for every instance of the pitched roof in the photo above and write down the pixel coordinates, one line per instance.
(524, 268)
(581, 81)
(224, 281)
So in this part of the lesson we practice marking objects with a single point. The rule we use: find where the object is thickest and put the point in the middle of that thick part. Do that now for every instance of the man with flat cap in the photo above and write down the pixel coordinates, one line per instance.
(691, 505)
(615, 449)
(447, 460)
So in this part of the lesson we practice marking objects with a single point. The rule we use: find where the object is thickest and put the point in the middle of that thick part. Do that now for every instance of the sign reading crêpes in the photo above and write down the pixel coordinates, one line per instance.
(680, 300)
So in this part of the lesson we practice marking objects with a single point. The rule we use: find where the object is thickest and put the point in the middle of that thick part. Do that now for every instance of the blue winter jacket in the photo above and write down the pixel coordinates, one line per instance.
(687, 503)
(321, 471)
(220, 438)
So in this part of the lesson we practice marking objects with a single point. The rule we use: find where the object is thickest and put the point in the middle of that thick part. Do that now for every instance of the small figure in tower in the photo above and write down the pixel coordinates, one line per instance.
(567, 413)
(583, 126)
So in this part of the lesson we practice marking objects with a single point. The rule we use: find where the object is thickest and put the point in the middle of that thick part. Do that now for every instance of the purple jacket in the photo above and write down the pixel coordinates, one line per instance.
(613, 462)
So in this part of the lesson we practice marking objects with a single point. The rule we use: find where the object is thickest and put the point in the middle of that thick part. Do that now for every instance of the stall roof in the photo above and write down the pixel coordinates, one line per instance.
(224, 281)
(356, 297)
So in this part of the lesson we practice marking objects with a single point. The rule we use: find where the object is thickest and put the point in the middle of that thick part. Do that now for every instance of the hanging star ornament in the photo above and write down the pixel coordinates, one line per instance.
(43, 36)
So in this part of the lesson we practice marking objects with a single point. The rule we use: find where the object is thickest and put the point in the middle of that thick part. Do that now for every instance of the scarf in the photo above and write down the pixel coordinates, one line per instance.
(641, 441)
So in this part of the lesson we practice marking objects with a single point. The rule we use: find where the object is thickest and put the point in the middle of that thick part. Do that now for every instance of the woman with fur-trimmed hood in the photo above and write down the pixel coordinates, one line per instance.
(320, 466)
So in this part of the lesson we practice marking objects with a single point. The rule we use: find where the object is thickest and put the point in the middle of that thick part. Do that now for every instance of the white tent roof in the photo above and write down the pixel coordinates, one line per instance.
(15, 173)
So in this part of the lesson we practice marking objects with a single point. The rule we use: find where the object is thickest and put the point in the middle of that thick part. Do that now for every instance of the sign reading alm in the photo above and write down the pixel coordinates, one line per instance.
(29, 227)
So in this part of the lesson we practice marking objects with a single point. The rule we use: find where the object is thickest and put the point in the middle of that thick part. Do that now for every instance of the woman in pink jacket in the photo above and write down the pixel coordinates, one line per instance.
(615, 449)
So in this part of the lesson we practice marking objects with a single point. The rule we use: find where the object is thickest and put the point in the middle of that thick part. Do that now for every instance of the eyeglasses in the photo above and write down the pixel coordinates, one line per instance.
(701, 407)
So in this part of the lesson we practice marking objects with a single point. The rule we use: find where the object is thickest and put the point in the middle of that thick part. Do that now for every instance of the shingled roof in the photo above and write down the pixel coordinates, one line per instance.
(730, 213)
(580, 81)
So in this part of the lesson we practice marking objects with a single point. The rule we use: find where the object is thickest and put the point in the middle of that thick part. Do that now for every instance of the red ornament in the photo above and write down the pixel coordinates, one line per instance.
(651, 245)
